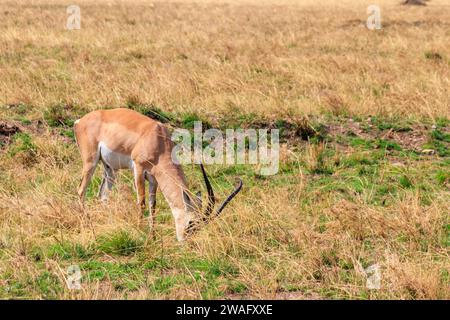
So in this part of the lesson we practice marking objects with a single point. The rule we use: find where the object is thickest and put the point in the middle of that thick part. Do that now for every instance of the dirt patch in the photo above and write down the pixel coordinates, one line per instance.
(411, 138)
(298, 131)
(349, 127)
(10, 128)
(7, 131)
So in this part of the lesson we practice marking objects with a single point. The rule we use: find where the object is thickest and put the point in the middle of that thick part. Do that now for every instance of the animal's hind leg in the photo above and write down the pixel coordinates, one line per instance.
(153, 186)
(88, 171)
(90, 157)
(139, 181)
(107, 182)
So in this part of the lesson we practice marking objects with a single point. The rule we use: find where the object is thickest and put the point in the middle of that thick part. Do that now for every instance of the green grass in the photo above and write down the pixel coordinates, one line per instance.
(439, 141)
(48, 285)
(64, 250)
(443, 177)
(119, 243)
(405, 182)
(124, 276)
(439, 135)
(394, 124)
(22, 143)
(211, 277)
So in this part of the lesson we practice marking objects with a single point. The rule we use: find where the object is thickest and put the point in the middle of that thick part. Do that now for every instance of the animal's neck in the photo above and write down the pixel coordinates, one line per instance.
(172, 182)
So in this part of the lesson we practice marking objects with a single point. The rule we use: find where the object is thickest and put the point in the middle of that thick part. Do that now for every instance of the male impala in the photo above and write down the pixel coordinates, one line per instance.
(123, 138)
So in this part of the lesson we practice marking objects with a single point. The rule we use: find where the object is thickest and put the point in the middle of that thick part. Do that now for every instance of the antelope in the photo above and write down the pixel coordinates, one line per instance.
(125, 139)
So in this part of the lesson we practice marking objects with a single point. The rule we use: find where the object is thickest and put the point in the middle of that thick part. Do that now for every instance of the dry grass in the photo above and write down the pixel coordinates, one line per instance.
(334, 209)
(211, 56)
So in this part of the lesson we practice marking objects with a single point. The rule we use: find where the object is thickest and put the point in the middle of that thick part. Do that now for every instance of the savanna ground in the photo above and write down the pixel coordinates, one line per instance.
(364, 175)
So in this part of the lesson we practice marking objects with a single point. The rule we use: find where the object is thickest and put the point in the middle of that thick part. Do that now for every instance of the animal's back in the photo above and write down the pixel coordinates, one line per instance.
(119, 129)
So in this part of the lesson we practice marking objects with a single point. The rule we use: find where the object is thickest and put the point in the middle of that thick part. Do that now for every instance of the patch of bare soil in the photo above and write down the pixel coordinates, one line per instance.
(7, 131)
(412, 139)
(9, 128)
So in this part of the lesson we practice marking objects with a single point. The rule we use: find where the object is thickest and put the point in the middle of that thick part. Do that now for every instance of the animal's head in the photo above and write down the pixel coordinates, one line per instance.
(196, 214)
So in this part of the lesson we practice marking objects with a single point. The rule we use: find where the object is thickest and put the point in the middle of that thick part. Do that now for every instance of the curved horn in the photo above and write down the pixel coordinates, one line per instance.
(211, 197)
(230, 197)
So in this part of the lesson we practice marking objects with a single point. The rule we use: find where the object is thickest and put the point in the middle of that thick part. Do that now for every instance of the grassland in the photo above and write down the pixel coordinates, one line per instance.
(365, 160)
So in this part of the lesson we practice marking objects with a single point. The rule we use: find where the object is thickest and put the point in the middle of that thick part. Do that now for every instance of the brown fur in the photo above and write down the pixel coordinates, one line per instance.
(148, 144)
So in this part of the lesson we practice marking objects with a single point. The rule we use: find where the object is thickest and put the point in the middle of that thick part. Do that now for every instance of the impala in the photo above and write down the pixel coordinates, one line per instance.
(125, 139)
